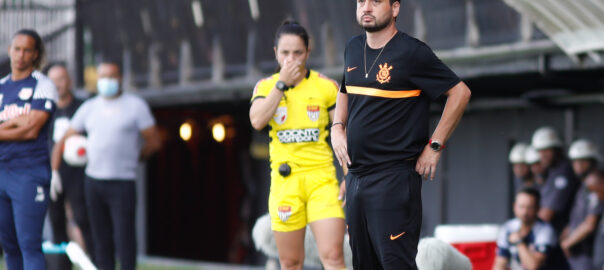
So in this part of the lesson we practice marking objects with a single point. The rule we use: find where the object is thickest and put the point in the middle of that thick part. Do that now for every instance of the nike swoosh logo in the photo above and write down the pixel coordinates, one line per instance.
(350, 69)
(392, 237)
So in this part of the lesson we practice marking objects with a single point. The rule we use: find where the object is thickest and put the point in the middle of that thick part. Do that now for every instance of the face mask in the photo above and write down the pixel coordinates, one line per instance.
(107, 87)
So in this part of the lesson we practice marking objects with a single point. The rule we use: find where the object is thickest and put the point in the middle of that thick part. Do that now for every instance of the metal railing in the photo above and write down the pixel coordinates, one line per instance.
(52, 19)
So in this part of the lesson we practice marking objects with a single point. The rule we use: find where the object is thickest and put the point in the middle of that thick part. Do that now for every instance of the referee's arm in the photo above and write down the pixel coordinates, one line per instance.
(457, 100)
(25, 127)
(263, 109)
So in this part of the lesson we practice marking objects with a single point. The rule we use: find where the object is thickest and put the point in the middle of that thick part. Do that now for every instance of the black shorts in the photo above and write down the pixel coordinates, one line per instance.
(384, 217)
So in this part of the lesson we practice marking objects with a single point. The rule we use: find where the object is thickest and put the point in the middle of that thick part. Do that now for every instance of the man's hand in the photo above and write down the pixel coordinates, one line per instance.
(16, 122)
(342, 195)
(566, 248)
(514, 237)
(290, 72)
(426, 163)
(56, 187)
(338, 142)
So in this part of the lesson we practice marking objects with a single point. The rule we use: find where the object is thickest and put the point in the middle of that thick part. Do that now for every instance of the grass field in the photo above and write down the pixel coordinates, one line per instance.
(140, 267)
(145, 267)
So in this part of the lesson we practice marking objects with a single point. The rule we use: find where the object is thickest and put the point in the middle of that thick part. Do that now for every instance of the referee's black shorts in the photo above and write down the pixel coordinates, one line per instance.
(384, 216)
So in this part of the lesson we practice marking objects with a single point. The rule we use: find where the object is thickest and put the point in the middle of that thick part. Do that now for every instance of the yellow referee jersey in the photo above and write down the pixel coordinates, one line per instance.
(299, 129)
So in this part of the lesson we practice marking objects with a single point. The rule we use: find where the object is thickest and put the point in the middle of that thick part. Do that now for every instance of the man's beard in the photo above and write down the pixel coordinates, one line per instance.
(375, 27)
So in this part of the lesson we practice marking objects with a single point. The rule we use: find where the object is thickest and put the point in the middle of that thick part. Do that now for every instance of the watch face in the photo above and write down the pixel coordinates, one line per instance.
(281, 85)
(435, 146)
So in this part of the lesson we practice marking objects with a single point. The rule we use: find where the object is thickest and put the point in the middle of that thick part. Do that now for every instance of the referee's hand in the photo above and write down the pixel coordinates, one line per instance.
(426, 163)
(338, 142)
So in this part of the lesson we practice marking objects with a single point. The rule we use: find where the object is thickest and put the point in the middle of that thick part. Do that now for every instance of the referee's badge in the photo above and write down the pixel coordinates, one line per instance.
(313, 112)
(25, 93)
(284, 211)
(280, 115)
(383, 75)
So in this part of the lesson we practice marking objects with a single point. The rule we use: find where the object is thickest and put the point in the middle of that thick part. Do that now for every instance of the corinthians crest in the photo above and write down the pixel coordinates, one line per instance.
(313, 112)
(284, 211)
(383, 75)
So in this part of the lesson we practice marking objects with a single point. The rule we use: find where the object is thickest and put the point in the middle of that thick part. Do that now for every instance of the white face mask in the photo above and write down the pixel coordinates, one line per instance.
(107, 87)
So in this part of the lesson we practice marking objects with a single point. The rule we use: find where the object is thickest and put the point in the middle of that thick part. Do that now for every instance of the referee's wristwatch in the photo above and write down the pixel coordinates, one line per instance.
(436, 145)
(282, 86)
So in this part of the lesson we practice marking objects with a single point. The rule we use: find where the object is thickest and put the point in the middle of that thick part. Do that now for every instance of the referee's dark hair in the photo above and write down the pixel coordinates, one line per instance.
(292, 28)
(39, 46)
(532, 192)
(392, 1)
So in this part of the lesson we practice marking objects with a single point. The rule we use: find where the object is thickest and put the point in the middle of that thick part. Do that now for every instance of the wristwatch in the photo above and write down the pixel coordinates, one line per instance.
(282, 86)
(514, 243)
(436, 145)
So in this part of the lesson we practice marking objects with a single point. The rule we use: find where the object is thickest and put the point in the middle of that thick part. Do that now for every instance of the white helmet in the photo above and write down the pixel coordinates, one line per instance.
(545, 137)
(531, 155)
(517, 153)
(75, 151)
(583, 149)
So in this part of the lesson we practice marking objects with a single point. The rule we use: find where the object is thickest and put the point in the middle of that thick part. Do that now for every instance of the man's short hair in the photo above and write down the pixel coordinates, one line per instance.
(392, 1)
(533, 193)
(54, 64)
(113, 61)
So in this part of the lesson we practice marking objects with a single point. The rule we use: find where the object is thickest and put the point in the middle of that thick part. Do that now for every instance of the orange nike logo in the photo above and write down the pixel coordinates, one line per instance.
(349, 69)
(392, 237)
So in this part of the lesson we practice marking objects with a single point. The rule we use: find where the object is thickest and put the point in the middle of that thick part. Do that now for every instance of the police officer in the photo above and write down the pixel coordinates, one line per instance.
(533, 160)
(522, 173)
(577, 238)
(595, 183)
(560, 184)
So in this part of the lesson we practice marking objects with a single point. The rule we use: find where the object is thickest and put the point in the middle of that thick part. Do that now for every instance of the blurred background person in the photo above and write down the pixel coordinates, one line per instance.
(526, 242)
(121, 131)
(595, 183)
(28, 102)
(298, 104)
(577, 240)
(67, 184)
(533, 160)
(560, 185)
(523, 177)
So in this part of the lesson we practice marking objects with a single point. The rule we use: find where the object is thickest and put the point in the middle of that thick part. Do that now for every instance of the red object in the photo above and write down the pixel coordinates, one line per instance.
(481, 254)
(81, 151)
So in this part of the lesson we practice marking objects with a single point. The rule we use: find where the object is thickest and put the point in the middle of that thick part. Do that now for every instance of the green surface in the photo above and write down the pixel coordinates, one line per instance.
(139, 267)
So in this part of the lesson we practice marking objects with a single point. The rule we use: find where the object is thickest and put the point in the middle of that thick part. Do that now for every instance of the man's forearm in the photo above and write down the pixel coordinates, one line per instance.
(527, 257)
(147, 150)
(341, 110)
(457, 100)
(586, 228)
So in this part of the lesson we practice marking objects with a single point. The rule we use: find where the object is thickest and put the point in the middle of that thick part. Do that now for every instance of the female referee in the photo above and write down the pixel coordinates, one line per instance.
(297, 103)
